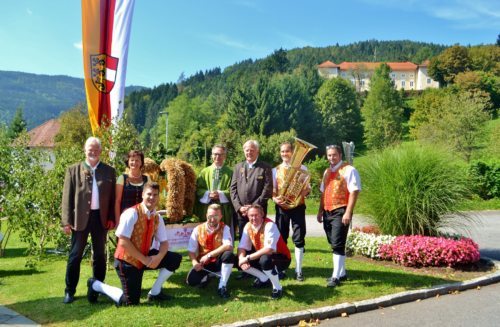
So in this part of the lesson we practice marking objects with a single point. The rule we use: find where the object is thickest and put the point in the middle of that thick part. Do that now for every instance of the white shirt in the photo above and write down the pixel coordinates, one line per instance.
(129, 218)
(351, 176)
(271, 237)
(94, 202)
(193, 239)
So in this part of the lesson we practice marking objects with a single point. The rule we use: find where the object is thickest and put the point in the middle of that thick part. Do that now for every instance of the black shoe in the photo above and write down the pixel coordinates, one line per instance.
(332, 282)
(299, 277)
(223, 292)
(257, 283)
(91, 294)
(68, 298)
(159, 297)
(122, 302)
(276, 294)
(281, 275)
(343, 278)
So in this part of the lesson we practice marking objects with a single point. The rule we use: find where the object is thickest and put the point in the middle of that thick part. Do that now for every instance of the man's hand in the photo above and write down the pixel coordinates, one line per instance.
(205, 260)
(278, 200)
(110, 224)
(243, 210)
(66, 229)
(346, 218)
(319, 217)
(154, 262)
(243, 263)
(197, 266)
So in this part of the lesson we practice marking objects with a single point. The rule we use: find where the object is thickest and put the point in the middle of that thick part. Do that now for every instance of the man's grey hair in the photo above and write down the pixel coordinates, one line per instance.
(254, 143)
(220, 146)
(91, 140)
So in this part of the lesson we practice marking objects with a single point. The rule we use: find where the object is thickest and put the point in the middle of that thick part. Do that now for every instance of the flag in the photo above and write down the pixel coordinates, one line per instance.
(105, 38)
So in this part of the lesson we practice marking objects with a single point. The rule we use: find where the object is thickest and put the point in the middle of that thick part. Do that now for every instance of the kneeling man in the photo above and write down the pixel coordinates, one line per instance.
(136, 230)
(262, 251)
(211, 250)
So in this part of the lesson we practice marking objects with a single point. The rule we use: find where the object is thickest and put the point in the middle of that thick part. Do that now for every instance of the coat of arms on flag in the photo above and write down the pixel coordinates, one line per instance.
(103, 71)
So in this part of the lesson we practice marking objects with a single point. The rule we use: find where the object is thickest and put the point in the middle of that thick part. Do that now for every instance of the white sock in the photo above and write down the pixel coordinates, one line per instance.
(342, 266)
(225, 272)
(114, 293)
(257, 273)
(299, 257)
(336, 266)
(274, 279)
(163, 275)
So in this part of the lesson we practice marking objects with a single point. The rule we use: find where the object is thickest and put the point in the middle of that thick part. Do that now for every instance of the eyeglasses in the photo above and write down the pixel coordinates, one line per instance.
(333, 146)
(213, 217)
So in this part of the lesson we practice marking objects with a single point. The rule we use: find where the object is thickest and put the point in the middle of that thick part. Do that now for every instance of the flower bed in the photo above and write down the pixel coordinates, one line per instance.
(424, 251)
(414, 250)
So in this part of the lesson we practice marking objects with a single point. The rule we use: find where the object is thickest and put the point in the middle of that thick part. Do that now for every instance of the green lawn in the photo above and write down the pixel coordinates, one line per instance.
(38, 293)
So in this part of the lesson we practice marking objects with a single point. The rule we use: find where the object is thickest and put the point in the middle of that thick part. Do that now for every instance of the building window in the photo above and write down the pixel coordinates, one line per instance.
(362, 83)
(411, 84)
(411, 75)
(393, 75)
(403, 84)
(343, 74)
(428, 81)
(403, 75)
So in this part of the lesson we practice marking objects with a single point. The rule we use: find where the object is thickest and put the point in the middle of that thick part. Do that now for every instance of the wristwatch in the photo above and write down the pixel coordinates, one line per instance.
(209, 256)
(248, 258)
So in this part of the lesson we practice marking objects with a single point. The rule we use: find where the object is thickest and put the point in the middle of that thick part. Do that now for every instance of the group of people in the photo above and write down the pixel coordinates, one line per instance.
(95, 201)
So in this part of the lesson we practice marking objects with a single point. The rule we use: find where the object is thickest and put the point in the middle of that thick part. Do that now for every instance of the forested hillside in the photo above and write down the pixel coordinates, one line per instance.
(41, 97)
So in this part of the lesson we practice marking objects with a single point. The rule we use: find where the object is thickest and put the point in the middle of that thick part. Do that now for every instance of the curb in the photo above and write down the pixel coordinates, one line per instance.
(293, 318)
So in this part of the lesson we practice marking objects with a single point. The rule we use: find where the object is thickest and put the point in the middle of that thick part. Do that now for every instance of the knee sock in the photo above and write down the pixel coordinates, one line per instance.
(257, 273)
(163, 275)
(225, 272)
(342, 272)
(274, 279)
(299, 257)
(336, 266)
(114, 293)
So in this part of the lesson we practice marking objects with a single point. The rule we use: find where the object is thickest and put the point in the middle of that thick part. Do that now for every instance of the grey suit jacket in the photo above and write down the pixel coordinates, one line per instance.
(251, 186)
(77, 194)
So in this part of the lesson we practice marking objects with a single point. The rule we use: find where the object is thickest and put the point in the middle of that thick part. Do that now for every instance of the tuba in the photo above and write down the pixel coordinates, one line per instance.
(296, 179)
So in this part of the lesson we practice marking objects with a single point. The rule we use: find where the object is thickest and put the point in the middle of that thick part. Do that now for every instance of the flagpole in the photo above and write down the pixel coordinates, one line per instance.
(166, 131)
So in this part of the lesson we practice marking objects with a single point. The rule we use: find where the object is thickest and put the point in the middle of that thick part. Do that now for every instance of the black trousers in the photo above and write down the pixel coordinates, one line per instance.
(297, 216)
(269, 262)
(195, 277)
(131, 277)
(336, 231)
(78, 243)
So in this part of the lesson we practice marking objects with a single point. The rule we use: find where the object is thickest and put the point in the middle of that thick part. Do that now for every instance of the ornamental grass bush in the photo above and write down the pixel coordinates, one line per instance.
(414, 189)
(367, 244)
(424, 251)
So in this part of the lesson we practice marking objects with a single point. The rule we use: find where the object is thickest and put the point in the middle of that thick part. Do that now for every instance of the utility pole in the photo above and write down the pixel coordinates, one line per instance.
(166, 131)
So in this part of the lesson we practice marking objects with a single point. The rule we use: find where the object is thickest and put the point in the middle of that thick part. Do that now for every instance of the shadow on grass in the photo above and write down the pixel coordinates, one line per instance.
(18, 272)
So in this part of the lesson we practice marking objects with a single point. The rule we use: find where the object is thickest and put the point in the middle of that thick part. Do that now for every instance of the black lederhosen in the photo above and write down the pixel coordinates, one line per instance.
(336, 231)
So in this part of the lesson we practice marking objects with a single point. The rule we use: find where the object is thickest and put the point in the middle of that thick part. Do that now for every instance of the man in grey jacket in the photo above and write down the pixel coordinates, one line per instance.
(87, 208)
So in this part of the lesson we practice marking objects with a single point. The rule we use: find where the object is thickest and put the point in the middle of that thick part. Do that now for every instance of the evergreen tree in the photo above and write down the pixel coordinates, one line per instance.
(17, 125)
(382, 111)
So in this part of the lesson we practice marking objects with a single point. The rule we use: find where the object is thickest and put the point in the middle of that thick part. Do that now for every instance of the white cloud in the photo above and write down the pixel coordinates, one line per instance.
(29, 11)
(226, 41)
(78, 45)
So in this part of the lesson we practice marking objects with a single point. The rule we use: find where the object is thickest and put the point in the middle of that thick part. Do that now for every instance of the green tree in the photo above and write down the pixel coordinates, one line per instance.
(449, 63)
(382, 111)
(74, 127)
(428, 103)
(17, 125)
(338, 103)
(277, 62)
(458, 123)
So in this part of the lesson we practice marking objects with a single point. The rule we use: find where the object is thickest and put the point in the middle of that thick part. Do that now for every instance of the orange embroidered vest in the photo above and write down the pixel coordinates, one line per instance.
(280, 179)
(208, 242)
(257, 238)
(336, 194)
(142, 237)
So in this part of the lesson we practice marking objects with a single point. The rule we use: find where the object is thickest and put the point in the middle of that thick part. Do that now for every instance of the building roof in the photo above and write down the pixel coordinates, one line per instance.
(44, 135)
(364, 65)
(328, 64)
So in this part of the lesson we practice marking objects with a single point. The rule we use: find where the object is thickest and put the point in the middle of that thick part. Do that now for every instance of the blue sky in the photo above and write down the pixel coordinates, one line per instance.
(174, 36)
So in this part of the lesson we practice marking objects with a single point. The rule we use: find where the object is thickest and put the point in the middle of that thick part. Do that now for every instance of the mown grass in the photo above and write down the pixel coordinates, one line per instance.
(38, 293)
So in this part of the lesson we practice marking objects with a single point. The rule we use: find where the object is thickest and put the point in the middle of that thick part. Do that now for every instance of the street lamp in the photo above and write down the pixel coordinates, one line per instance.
(166, 131)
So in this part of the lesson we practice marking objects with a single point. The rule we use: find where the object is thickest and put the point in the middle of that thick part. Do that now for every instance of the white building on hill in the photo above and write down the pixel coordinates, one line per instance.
(405, 75)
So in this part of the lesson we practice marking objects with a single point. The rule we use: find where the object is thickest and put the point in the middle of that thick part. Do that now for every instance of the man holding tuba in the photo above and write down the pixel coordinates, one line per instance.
(291, 211)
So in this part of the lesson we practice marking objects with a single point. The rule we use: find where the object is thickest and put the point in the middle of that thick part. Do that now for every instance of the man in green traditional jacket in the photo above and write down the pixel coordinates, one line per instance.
(212, 186)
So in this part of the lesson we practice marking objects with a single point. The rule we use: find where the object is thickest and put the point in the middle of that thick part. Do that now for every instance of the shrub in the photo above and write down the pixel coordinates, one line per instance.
(413, 189)
(424, 251)
(366, 244)
(485, 178)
